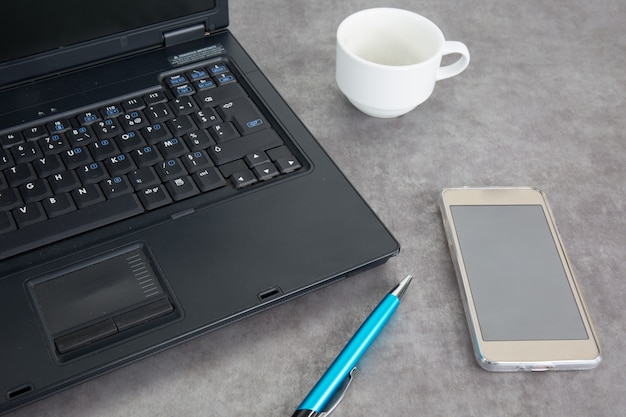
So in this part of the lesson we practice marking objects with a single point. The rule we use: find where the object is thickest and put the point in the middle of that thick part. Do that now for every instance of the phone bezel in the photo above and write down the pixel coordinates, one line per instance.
(522, 355)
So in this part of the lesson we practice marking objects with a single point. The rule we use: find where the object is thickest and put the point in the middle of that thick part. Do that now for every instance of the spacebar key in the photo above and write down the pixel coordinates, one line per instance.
(58, 228)
(238, 148)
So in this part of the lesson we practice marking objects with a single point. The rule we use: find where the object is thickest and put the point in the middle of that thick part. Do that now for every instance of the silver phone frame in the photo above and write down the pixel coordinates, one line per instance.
(525, 355)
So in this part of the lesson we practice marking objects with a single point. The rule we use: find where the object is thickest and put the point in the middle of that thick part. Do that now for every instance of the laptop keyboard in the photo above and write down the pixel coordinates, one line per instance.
(199, 133)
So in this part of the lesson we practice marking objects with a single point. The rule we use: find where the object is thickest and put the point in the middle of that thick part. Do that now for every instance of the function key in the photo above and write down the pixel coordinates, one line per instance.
(34, 133)
(58, 126)
(88, 117)
(217, 69)
(9, 139)
(112, 110)
(175, 80)
(133, 104)
(155, 97)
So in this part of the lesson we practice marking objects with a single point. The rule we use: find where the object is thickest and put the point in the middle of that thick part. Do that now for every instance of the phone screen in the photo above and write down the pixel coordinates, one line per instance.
(518, 284)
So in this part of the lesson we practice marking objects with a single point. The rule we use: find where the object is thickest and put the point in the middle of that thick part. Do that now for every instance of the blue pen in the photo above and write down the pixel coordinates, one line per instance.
(329, 390)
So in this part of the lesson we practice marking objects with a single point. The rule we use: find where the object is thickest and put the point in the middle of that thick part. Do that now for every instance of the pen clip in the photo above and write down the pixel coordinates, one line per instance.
(341, 392)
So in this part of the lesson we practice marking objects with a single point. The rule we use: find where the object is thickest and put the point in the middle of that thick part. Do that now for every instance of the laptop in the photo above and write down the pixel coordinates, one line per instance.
(154, 186)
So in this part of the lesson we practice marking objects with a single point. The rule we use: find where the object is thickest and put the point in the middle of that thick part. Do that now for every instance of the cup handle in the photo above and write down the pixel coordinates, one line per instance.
(454, 47)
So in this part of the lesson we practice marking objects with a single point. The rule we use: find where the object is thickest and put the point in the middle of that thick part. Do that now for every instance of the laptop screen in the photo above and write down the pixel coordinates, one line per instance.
(35, 26)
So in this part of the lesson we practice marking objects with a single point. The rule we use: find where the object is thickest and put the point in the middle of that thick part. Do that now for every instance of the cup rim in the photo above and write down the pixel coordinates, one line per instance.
(341, 41)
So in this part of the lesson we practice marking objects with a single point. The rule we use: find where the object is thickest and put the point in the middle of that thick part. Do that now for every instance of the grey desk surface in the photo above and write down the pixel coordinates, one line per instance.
(543, 103)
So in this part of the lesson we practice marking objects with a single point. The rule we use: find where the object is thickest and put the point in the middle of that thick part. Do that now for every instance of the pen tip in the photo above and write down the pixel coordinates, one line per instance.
(399, 290)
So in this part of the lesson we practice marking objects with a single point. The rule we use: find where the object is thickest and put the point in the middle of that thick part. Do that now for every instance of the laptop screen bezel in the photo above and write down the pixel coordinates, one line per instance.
(99, 49)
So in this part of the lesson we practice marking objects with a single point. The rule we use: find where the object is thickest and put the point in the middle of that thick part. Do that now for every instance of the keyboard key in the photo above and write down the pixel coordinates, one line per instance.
(159, 112)
(172, 148)
(197, 161)
(216, 96)
(204, 84)
(245, 115)
(58, 205)
(20, 174)
(175, 80)
(60, 125)
(155, 97)
(146, 156)
(54, 144)
(92, 173)
(183, 105)
(154, 197)
(107, 128)
(29, 214)
(265, 171)
(76, 157)
(61, 227)
(102, 149)
(6, 222)
(197, 74)
(26, 152)
(116, 186)
(225, 78)
(11, 139)
(184, 90)
(205, 118)
(87, 195)
(112, 110)
(240, 147)
(170, 169)
(287, 164)
(243, 179)
(143, 178)
(133, 104)
(134, 120)
(88, 117)
(48, 165)
(198, 139)
(119, 165)
(34, 133)
(82, 136)
(155, 133)
(64, 181)
(10, 199)
(6, 160)
(35, 190)
(209, 179)
(181, 188)
(217, 69)
(130, 141)
(181, 125)
(256, 158)
(223, 132)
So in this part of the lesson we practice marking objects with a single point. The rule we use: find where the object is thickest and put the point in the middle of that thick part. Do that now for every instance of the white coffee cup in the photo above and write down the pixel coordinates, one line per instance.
(388, 60)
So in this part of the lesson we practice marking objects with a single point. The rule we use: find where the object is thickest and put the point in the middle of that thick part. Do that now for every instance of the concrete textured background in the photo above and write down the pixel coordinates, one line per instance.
(541, 104)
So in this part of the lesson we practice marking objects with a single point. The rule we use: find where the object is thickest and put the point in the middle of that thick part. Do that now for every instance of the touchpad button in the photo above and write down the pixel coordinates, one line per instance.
(120, 287)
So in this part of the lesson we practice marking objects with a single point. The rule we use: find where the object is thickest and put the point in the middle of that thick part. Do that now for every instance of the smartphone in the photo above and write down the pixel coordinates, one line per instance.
(524, 309)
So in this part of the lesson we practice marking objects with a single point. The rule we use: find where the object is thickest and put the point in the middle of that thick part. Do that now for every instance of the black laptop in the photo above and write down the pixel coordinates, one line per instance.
(154, 186)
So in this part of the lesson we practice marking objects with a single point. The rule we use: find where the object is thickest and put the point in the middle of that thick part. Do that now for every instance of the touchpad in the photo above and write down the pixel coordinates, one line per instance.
(101, 299)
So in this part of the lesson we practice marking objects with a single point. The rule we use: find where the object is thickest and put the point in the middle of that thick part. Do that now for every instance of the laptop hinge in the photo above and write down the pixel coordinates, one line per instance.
(183, 35)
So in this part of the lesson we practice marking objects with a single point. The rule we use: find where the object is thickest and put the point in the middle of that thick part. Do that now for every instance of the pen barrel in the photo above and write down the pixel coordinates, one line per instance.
(327, 386)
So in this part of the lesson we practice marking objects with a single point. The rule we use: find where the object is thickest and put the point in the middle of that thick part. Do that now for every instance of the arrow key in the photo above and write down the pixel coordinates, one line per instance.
(256, 158)
(287, 164)
(265, 171)
(243, 179)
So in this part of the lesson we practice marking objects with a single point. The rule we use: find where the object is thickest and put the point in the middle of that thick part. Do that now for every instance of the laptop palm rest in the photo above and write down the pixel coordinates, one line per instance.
(92, 304)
